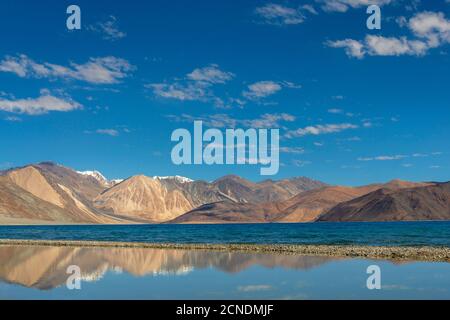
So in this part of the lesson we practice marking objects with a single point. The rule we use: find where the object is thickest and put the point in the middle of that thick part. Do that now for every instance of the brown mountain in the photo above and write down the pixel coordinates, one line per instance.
(308, 206)
(429, 202)
(161, 200)
(143, 198)
(244, 191)
(304, 207)
(50, 193)
(230, 212)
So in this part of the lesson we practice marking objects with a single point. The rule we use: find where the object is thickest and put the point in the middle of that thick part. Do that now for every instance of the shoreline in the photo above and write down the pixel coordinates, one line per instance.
(407, 253)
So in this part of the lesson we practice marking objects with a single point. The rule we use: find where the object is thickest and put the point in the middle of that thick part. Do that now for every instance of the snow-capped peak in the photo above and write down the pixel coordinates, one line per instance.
(95, 174)
(177, 178)
(100, 178)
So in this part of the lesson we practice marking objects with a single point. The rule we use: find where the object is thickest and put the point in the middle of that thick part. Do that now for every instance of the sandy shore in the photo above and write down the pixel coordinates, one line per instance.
(390, 253)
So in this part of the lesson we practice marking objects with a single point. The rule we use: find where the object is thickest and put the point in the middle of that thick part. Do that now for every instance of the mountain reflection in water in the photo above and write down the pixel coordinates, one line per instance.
(45, 267)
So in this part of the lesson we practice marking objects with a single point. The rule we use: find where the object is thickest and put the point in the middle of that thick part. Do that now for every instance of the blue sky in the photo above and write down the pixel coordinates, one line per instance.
(354, 105)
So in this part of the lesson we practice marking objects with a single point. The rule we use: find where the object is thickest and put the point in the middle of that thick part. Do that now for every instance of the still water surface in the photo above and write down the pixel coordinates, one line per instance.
(358, 233)
(130, 273)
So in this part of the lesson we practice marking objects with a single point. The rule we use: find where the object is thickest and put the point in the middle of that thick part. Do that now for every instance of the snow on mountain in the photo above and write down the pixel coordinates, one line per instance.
(177, 178)
(100, 178)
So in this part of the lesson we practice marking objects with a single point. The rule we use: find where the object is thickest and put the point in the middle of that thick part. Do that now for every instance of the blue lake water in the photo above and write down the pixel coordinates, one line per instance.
(33, 272)
(380, 233)
(132, 273)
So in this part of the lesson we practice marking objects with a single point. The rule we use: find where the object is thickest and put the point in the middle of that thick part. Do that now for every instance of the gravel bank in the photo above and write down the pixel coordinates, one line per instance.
(391, 253)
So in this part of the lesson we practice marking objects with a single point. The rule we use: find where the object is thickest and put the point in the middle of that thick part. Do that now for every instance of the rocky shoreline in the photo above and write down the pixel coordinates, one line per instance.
(426, 253)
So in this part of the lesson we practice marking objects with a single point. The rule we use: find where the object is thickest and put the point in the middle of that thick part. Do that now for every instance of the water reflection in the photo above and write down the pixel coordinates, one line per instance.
(45, 267)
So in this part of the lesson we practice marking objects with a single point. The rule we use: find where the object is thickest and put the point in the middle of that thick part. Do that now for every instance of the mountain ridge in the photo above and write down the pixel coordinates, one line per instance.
(47, 192)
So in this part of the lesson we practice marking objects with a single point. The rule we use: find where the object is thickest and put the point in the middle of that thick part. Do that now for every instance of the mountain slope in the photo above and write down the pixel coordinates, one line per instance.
(229, 212)
(51, 193)
(306, 206)
(19, 205)
(143, 198)
(244, 191)
(431, 202)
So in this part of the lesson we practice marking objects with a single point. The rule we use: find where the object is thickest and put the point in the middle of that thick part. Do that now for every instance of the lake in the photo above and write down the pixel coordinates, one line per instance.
(129, 273)
(377, 233)
(34, 272)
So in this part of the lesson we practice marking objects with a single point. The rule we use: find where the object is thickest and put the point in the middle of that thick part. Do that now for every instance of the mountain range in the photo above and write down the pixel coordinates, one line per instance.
(48, 193)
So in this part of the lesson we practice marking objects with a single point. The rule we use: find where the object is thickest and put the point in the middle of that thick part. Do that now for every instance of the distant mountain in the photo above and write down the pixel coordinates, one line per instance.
(141, 197)
(100, 178)
(245, 191)
(50, 192)
(179, 179)
(230, 212)
(429, 202)
(162, 199)
(306, 206)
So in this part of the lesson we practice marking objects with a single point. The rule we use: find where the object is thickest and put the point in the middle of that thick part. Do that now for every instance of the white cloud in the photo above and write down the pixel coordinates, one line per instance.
(310, 9)
(196, 86)
(109, 132)
(277, 14)
(211, 74)
(261, 89)
(268, 120)
(108, 29)
(291, 85)
(320, 129)
(383, 158)
(431, 30)
(37, 106)
(401, 21)
(13, 119)
(432, 26)
(352, 139)
(300, 163)
(105, 70)
(344, 5)
(293, 150)
(352, 47)
(335, 111)
(399, 157)
(420, 155)
(391, 46)
(178, 91)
